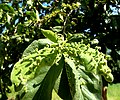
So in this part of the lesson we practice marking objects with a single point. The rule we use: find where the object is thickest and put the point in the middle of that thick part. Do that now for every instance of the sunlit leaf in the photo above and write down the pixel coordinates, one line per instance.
(50, 35)
(81, 82)
(36, 44)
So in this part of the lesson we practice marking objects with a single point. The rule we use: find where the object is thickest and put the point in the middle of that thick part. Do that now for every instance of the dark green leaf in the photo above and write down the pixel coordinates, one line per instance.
(47, 85)
(7, 8)
(31, 14)
(62, 86)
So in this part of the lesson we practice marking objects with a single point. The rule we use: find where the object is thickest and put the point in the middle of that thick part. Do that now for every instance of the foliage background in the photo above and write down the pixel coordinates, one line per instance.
(21, 20)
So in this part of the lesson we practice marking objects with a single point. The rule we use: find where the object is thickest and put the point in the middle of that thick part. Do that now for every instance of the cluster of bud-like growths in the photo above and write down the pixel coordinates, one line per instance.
(91, 59)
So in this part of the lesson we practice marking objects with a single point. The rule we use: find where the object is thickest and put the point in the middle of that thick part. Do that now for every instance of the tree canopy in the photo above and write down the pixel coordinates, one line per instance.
(21, 22)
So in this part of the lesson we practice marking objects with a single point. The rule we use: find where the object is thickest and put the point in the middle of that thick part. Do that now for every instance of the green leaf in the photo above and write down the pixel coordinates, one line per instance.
(50, 35)
(73, 77)
(47, 85)
(31, 14)
(30, 65)
(36, 44)
(33, 85)
(30, 88)
(20, 28)
(62, 86)
(84, 85)
(7, 8)
(29, 68)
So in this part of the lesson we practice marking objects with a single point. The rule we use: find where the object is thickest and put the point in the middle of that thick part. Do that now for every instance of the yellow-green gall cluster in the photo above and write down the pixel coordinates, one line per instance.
(91, 59)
